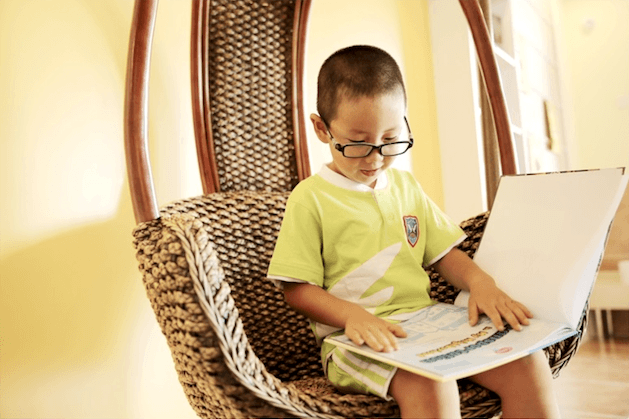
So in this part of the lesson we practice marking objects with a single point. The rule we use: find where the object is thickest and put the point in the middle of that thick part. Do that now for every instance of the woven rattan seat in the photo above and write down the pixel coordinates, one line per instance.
(238, 349)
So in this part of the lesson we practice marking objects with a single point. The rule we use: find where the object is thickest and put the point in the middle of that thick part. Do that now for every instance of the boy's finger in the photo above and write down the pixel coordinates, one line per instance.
(472, 313)
(378, 337)
(397, 330)
(513, 313)
(512, 319)
(387, 339)
(521, 313)
(373, 342)
(354, 336)
(392, 334)
(526, 311)
(495, 318)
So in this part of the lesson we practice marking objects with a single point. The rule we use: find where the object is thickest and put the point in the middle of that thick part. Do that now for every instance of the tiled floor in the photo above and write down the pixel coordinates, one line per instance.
(595, 384)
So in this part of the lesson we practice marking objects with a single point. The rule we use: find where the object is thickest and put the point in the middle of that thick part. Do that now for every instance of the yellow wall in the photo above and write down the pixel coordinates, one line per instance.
(78, 337)
(417, 52)
(596, 39)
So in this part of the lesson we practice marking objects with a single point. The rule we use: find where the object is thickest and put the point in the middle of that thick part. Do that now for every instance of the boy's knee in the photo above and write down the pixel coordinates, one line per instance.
(419, 396)
(526, 389)
(529, 374)
(535, 366)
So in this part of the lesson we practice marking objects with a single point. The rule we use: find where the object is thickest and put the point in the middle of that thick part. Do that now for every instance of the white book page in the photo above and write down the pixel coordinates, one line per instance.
(545, 237)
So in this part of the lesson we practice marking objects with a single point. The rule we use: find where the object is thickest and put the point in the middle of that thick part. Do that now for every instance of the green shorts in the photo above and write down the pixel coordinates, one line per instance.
(353, 373)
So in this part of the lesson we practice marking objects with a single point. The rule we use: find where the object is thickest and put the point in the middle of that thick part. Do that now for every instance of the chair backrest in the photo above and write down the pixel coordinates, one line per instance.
(247, 61)
(247, 94)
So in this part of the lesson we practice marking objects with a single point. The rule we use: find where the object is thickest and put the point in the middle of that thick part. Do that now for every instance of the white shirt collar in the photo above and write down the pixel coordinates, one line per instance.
(341, 181)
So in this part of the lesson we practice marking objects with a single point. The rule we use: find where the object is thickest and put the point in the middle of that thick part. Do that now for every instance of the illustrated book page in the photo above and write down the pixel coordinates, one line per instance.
(443, 346)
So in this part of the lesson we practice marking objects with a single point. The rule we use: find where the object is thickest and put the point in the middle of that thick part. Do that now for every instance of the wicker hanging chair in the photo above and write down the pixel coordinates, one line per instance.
(238, 349)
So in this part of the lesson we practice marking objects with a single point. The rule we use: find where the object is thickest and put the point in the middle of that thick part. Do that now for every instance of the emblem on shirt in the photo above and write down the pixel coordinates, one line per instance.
(411, 225)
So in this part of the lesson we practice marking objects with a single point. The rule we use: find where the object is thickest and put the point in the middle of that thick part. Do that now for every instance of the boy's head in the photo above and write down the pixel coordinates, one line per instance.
(353, 72)
(362, 106)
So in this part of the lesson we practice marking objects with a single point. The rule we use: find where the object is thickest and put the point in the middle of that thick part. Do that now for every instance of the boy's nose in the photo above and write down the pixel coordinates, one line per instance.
(375, 156)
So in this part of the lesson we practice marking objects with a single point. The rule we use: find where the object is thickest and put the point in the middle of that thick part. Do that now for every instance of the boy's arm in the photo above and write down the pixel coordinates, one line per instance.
(485, 296)
(360, 325)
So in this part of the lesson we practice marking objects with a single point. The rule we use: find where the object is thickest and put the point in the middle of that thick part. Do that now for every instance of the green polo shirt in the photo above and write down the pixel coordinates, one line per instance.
(368, 246)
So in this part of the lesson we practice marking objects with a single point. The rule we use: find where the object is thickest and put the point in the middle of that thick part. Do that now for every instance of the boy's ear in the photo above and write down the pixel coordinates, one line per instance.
(320, 129)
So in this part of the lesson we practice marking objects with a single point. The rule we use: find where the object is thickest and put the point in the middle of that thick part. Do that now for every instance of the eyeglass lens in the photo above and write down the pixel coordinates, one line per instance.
(397, 146)
(363, 150)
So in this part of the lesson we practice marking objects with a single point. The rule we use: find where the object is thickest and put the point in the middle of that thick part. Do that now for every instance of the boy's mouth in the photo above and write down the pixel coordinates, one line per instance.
(369, 173)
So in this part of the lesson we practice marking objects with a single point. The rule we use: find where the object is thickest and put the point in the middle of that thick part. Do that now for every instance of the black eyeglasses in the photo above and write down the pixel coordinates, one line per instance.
(360, 150)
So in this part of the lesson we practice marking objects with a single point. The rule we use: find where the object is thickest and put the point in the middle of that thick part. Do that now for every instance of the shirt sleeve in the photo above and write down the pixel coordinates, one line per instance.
(443, 234)
(297, 253)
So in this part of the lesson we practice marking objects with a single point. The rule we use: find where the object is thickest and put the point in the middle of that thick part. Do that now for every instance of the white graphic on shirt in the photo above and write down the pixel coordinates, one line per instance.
(352, 287)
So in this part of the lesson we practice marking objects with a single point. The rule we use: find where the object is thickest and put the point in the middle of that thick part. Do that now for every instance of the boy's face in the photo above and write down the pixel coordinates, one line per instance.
(374, 120)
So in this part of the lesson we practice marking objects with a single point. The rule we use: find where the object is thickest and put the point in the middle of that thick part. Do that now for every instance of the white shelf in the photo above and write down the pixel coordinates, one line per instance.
(609, 293)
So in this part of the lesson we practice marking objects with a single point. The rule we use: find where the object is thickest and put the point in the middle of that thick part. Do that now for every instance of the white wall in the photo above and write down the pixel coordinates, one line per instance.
(535, 34)
(458, 113)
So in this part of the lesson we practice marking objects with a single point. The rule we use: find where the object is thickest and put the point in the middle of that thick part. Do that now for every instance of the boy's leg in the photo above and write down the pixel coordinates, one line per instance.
(421, 397)
(524, 386)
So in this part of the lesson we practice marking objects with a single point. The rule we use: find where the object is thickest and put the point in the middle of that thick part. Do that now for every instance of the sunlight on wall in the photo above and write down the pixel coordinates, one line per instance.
(171, 132)
(422, 107)
(56, 121)
(79, 338)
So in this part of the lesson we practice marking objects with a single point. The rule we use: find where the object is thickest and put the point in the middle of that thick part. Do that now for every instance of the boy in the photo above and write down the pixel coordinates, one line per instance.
(355, 239)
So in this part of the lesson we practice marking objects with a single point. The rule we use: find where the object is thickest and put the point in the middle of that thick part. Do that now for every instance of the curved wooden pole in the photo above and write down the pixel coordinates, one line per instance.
(199, 72)
(137, 81)
(489, 68)
(136, 111)
(300, 32)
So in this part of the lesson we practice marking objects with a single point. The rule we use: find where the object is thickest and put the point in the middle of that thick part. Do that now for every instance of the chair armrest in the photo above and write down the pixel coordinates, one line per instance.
(203, 264)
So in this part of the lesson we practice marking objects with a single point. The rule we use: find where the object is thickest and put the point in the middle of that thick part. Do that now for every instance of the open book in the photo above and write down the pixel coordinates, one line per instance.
(543, 244)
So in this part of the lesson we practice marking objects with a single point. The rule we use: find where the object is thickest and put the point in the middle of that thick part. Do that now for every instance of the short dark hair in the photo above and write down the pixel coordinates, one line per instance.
(355, 71)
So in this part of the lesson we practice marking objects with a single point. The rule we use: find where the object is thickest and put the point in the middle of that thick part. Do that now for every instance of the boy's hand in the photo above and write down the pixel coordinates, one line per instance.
(380, 335)
(486, 297)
